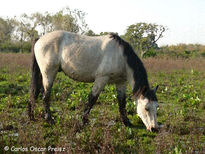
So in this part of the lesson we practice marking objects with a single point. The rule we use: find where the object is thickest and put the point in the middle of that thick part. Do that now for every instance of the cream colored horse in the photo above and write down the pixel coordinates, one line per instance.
(102, 60)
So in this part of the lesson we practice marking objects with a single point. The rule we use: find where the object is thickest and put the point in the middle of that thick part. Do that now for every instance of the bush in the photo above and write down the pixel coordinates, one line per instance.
(150, 53)
(183, 50)
(15, 47)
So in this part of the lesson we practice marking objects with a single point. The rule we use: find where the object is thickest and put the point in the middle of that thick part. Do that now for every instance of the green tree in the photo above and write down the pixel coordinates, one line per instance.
(90, 33)
(6, 29)
(104, 33)
(44, 22)
(21, 31)
(31, 26)
(26, 28)
(143, 36)
(69, 20)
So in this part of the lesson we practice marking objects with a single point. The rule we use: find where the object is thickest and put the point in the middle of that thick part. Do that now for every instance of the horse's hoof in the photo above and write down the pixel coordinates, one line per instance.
(50, 121)
(85, 120)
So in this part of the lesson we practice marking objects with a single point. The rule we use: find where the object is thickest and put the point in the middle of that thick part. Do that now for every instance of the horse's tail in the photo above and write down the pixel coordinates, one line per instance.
(35, 83)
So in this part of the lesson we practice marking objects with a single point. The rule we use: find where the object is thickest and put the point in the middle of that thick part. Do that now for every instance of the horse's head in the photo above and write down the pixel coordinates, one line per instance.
(146, 102)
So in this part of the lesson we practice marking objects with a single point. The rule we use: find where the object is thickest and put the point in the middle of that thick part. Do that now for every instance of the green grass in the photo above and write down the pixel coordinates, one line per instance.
(181, 98)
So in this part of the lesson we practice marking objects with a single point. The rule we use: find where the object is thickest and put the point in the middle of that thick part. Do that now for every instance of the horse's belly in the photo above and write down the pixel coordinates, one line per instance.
(82, 74)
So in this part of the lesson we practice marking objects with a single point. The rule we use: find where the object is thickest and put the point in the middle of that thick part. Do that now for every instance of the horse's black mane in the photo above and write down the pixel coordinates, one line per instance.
(133, 61)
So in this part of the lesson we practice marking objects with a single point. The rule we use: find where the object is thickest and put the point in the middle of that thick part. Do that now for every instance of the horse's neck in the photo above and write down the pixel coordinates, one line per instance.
(136, 80)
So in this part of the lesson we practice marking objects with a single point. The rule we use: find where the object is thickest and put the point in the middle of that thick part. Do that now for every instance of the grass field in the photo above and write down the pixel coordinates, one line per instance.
(181, 98)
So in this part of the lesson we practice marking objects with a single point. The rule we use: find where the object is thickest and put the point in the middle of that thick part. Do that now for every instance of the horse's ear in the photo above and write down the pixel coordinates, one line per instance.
(141, 91)
(155, 89)
(135, 95)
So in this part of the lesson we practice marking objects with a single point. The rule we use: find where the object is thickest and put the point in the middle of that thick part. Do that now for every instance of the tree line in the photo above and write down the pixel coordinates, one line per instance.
(17, 33)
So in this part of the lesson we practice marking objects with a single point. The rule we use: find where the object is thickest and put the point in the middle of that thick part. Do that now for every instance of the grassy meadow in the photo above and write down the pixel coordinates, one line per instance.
(181, 96)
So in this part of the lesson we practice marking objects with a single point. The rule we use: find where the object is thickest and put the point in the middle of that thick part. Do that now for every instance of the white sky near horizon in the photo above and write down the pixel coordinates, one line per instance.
(185, 19)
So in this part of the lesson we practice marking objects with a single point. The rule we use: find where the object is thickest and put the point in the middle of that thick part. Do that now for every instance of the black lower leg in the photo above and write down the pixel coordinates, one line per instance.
(46, 103)
(91, 101)
(122, 109)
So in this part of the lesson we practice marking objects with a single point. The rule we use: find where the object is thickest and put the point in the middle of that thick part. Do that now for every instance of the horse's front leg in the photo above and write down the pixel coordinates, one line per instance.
(121, 96)
(98, 86)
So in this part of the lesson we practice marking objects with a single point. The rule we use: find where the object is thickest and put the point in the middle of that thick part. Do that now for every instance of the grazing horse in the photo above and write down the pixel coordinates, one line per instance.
(100, 59)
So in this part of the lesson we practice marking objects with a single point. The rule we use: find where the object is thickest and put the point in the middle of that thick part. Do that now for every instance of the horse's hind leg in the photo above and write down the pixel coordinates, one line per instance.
(48, 79)
(121, 96)
(98, 86)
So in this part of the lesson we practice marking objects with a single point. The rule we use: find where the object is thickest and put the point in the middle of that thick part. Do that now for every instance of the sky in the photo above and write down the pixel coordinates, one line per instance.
(185, 19)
